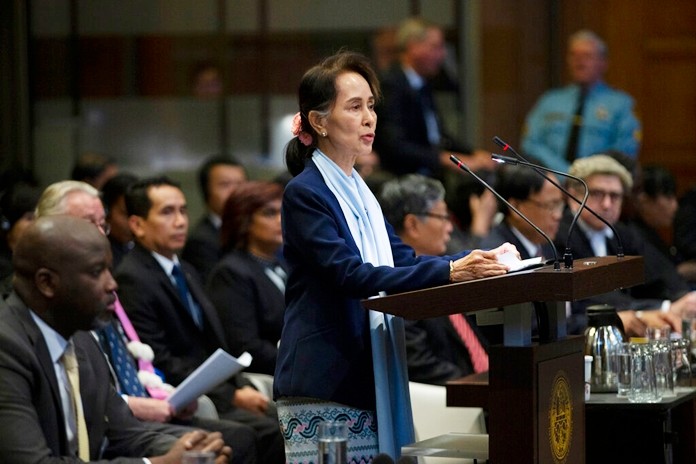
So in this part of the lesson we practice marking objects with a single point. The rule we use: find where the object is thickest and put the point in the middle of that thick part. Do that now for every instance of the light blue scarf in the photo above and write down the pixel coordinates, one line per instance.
(366, 223)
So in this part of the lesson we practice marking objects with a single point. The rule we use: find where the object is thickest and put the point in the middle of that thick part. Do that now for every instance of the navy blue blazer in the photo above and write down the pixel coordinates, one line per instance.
(325, 349)
(250, 307)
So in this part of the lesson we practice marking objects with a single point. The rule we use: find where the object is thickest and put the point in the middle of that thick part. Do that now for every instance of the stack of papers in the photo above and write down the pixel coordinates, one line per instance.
(219, 367)
(516, 264)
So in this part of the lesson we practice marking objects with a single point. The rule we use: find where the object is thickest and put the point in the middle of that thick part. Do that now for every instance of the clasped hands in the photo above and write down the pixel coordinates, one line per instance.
(635, 322)
(197, 440)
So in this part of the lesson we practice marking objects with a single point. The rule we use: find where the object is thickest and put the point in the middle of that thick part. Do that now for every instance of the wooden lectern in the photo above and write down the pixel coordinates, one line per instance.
(534, 391)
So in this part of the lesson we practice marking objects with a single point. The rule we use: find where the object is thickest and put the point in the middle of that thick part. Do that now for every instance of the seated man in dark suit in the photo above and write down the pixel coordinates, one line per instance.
(56, 401)
(655, 208)
(664, 298)
(147, 402)
(441, 348)
(542, 203)
(216, 178)
(165, 301)
(539, 200)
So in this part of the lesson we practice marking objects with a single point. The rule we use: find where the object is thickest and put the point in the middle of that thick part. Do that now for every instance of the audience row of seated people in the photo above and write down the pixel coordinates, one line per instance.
(249, 271)
(653, 204)
(56, 398)
(247, 415)
(168, 306)
(145, 396)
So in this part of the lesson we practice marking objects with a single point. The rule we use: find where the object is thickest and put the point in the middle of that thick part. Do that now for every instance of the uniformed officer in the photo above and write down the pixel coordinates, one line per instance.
(585, 117)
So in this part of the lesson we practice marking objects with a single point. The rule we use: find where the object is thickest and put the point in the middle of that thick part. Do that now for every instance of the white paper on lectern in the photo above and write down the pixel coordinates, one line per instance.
(216, 369)
(514, 263)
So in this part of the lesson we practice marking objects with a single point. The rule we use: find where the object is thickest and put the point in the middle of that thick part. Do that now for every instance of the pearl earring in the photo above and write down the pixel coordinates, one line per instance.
(323, 134)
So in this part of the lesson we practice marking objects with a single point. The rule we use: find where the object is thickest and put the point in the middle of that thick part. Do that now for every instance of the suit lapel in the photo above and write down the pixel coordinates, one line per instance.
(509, 236)
(44, 358)
(211, 319)
(165, 282)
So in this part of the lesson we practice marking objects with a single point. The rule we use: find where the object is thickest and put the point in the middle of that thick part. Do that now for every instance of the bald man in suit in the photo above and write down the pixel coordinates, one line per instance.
(62, 285)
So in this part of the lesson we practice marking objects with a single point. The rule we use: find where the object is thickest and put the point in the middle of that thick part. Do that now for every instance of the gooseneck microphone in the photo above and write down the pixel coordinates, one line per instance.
(568, 254)
(539, 169)
(464, 167)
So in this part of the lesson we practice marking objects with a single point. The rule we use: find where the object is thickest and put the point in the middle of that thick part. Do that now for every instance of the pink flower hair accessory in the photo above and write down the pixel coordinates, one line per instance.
(298, 132)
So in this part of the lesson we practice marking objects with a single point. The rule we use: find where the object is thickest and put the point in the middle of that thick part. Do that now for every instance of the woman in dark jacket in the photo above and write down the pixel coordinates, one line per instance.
(247, 286)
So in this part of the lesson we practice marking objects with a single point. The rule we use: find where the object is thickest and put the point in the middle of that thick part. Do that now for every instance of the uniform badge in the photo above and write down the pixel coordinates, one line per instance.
(602, 113)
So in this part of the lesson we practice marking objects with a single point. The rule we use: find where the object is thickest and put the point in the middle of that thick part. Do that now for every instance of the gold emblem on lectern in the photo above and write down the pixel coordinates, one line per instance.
(560, 418)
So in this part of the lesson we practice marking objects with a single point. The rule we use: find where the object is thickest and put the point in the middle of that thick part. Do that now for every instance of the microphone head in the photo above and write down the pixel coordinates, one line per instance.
(459, 164)
(504, 159)
(506, 146)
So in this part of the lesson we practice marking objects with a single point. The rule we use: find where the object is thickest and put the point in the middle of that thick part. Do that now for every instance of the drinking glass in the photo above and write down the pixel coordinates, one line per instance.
(681, 362)
(643, 382)
(333, 442)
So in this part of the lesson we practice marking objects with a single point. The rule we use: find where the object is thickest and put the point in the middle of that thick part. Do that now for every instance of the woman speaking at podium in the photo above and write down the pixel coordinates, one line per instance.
(337, 360)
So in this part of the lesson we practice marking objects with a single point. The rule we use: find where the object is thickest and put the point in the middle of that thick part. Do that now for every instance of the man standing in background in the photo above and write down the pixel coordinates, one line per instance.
(585, 117)
(411, 137)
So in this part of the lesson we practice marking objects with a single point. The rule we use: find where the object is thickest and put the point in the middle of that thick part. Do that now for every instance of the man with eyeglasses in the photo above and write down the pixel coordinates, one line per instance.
(436, 348)
(74, 198)
(664, 298)
(535, 197)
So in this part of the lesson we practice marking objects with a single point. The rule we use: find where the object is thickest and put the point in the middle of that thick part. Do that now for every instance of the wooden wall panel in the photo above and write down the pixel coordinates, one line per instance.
(514, 65)
(656, 63)
(101, 63)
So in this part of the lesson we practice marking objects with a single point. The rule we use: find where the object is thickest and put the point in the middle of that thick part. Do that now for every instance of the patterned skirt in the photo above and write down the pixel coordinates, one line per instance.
(299, 419)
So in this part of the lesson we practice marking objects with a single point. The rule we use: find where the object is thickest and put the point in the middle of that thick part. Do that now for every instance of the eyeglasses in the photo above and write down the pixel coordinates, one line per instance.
(550, 206)
(599, 195)
(104, 227)
(442, 217)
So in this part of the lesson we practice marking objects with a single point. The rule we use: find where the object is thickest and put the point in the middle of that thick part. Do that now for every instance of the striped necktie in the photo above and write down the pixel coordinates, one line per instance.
(478, 355)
